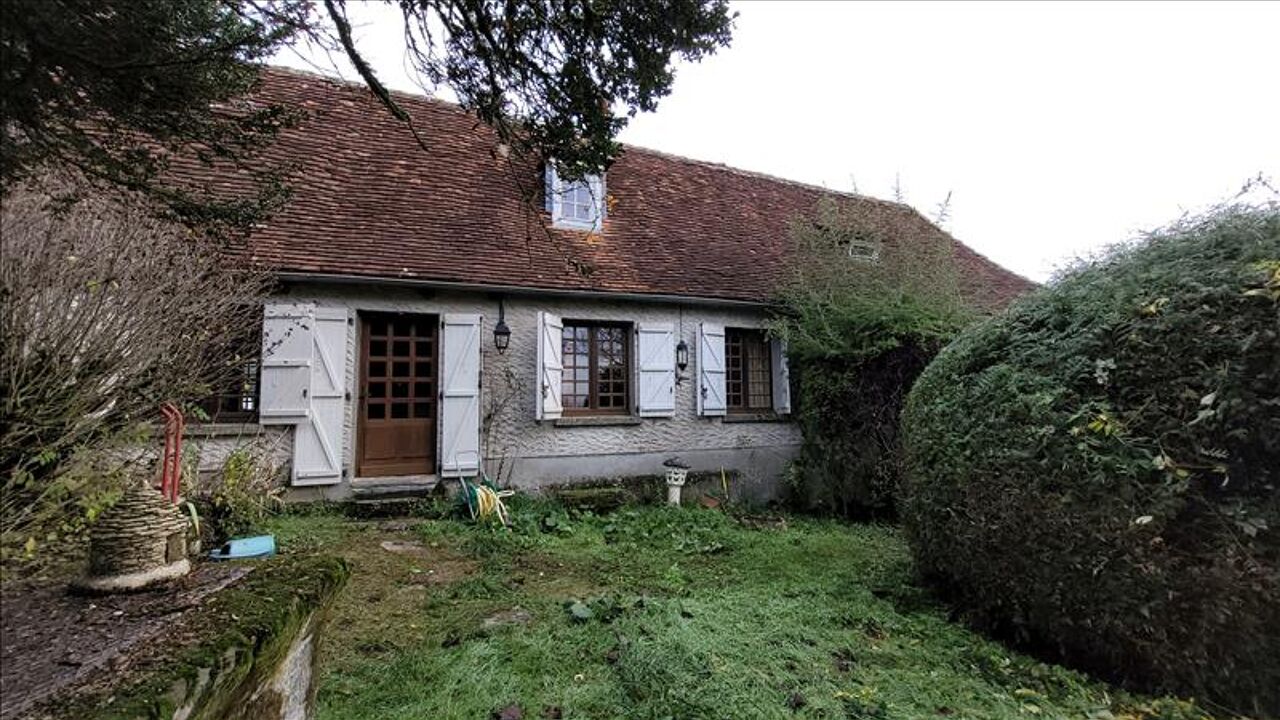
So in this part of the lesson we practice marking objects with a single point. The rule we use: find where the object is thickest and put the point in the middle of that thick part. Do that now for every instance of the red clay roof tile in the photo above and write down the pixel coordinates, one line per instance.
(367, 200)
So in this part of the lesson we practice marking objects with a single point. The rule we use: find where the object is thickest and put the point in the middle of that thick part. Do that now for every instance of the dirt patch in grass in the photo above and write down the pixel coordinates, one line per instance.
(394, 572)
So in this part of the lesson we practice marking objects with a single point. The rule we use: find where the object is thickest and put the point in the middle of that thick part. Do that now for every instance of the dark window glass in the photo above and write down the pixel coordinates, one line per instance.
(596, 368)
(234, 376)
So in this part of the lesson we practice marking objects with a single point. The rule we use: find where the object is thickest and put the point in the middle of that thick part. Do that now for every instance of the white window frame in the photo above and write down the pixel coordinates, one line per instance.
(559, 194)
(864, 250)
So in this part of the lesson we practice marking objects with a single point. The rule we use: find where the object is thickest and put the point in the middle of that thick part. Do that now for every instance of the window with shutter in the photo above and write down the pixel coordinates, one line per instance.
(235, 368)
(711, 369)
(656, 370)
(781, 378)
(548, 404)
(287, 349)
(596, 368)
(304, 355)
(748, 371)
(318, 442)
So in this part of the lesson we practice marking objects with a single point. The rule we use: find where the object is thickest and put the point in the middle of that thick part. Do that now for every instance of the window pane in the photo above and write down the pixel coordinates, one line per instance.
(423, 348)
(748, 370)
(422, 410)
(377, 348)
(735, 369)
(377, 411)
(400, 369)
(377, 390)
(234, 391)
(400, 348)
(422, 369)
(422, 390)
(759, 387)
(595, 367)
(377, 369)
(400, 390)
(399, 411)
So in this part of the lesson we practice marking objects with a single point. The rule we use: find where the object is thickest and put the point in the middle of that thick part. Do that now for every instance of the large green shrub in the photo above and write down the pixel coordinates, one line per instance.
(1096, 470)
(870, 301)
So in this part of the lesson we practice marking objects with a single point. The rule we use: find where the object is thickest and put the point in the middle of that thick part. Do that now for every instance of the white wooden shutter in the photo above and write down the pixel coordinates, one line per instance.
(460, 396)
(656, 385)
(317, 443)
(781, 377)
(286, 363)
(549, 405)
(711, 369)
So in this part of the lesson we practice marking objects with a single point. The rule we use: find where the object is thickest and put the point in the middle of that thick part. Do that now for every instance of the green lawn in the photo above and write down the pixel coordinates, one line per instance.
(680, 614)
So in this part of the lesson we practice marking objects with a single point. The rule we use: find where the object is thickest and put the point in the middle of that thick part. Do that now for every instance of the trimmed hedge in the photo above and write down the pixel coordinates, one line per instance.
(1095, 471)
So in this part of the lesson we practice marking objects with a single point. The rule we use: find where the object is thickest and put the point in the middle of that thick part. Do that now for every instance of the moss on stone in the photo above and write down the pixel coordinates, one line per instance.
(241, 634)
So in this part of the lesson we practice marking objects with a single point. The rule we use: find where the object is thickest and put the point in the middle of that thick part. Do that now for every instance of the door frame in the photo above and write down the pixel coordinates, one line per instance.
(362, 316)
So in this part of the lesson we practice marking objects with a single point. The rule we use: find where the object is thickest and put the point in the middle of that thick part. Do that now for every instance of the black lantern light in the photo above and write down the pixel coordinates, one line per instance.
(682, 355)
(501, 333)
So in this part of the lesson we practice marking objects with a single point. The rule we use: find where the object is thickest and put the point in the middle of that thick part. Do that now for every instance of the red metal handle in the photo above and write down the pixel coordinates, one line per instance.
(171, 462)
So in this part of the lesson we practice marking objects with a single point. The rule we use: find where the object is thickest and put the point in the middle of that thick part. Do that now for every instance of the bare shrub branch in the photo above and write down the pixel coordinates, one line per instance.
(107, 312)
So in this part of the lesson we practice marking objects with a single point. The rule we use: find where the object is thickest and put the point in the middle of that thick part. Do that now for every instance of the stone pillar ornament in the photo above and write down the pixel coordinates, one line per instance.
(677, 473)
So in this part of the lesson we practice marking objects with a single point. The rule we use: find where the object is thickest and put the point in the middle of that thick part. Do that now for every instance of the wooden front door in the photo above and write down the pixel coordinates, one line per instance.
(398, 391)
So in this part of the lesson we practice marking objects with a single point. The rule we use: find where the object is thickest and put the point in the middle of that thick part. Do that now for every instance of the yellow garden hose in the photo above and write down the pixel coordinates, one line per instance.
(489, 503)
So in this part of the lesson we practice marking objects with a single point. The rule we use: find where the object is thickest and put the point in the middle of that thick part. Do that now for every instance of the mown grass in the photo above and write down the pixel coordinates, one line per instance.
(681, 613)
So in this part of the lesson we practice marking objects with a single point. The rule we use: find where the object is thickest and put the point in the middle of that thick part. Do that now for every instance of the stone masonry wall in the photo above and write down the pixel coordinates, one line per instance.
(532, 453)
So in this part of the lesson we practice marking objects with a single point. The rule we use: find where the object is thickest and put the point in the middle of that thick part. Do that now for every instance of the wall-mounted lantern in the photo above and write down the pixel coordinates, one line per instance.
(682, 355)
(501, 333)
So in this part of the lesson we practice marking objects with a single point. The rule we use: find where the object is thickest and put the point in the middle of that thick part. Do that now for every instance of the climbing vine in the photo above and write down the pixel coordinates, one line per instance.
(864, 310)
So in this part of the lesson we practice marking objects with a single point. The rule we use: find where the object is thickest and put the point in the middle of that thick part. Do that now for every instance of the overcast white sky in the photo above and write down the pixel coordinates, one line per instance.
(1058, 127)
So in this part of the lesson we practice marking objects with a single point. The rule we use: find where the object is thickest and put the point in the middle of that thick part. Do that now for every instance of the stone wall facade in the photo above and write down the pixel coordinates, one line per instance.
(526, 453)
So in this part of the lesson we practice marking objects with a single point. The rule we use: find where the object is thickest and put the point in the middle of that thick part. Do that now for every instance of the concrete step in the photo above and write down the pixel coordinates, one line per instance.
(391, 488)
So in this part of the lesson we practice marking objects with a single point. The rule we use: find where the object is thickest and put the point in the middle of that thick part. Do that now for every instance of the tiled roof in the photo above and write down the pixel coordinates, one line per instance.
(367, 200)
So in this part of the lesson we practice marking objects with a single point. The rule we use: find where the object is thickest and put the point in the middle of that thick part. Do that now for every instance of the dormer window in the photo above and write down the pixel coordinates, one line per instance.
(864, 249)
(577, 204)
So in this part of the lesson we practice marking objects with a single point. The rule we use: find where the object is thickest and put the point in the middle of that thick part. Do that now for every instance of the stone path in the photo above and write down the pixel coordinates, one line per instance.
(51, 640)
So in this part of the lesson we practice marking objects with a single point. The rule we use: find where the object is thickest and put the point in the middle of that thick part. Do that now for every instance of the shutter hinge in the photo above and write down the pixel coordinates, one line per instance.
(350, 321)
(345, 473)
(348, 396)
